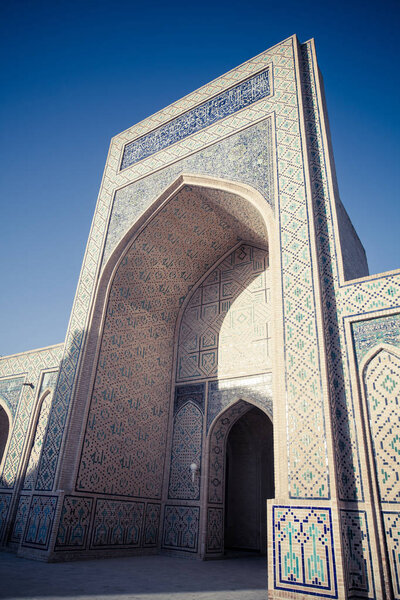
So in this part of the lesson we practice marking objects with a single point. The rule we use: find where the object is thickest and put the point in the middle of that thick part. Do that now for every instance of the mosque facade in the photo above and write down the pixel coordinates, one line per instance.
(229, 380)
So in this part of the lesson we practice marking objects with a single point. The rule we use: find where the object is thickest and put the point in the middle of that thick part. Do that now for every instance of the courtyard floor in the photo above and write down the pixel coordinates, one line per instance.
(133, 578)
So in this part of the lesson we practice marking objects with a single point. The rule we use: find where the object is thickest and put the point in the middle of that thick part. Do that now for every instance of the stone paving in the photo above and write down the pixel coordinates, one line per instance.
(133, 578)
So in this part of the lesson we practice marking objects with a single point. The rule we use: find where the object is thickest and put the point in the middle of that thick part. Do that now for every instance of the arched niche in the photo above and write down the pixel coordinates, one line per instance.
(139, 297)
(380, 378)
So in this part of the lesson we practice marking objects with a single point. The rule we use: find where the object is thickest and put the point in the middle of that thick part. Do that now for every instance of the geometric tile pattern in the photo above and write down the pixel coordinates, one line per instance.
(10, 390)
(367, 334)
(256, 389)
(215, 530)
(117, 524)
(357, 552)
(391, 522)
(20, 518)
(304, 558)
(208, 113)
(339, 300)
(31, 472)
(136, 353)
(308, 472)
(151, 525)
(189, 393)
(74, 523)
(181, 528)
(5, 500)
(186, 449)
(39, 523)
(30, 364)
(225, 327)
(382, 387)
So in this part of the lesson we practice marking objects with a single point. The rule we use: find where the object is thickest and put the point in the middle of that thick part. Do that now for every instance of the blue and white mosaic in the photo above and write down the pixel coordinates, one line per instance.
(208, 113)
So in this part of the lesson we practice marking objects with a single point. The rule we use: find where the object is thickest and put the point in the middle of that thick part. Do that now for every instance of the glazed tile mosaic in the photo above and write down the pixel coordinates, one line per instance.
(307, 567)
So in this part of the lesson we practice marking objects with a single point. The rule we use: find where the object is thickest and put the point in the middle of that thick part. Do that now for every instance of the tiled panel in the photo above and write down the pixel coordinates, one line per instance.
(186, 449)
(225, 329)
(382, 387)
(151, 525)
(20, 518)
(117, 524)
(40, 521)
(304, 558)
(36, 450)
(357, 552)
(74, 523)
(392, 529)
(181, 528)
(5, 500)
(208, 113)
(370, 333)
(10, 390)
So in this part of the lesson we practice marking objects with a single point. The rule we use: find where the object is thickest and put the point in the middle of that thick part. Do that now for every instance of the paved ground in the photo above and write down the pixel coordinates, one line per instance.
(138, 578)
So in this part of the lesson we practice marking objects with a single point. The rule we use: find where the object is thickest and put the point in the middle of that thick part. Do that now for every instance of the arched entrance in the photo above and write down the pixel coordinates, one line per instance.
(240, 479)
(249, 482)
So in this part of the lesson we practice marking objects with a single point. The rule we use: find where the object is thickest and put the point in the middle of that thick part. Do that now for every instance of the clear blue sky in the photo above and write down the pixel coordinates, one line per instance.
(76, 73)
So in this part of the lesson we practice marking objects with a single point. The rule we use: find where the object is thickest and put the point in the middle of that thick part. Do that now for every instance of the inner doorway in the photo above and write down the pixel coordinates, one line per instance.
(249, 482)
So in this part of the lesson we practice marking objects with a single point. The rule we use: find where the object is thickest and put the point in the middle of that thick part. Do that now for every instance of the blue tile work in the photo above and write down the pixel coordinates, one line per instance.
(381, 379)
(223, 105)
(74, 523)
(257, 389)
(151, 525)
(181, 528)
(244, 156)
(117, 524)
(304, 558)
(20, 518)
(225, 329)
(370, 333)
(340, 300)
(391, 522)
(31, 364)
(5, 500)
(10, 390)
(36, 450)
(40, 521)
(189, 393)
(186, 449)
(357, 552)
(215, 530)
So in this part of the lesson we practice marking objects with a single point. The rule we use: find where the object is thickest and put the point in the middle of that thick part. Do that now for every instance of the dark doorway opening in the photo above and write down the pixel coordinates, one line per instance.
(4, 430)
(249, 482)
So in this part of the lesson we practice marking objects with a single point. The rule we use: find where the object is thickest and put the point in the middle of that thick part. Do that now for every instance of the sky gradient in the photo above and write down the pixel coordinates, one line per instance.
(76, 73)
